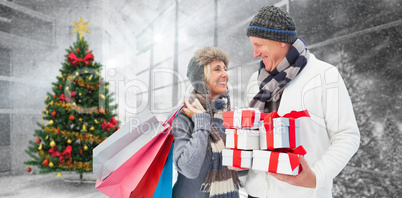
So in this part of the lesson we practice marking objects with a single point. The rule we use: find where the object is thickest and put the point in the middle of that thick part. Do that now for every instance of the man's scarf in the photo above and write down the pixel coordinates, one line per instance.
(220, 181)
(272, 84)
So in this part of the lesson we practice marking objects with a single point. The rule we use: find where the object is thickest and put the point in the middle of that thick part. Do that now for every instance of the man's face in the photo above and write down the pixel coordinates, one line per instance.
(271, 52)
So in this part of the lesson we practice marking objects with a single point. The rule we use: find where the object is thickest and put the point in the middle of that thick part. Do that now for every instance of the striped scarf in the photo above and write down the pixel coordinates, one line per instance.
(273, 83)
(220, 181)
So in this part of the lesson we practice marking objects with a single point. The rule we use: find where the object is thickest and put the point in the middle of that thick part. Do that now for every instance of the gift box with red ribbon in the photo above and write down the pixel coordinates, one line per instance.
(278, 132)
(237, 158)
(244, 139)
(283, 162)
(242, 118)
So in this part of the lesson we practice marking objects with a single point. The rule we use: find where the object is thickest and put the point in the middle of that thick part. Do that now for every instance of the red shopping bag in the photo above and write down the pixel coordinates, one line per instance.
(135, 175)
(146, 187)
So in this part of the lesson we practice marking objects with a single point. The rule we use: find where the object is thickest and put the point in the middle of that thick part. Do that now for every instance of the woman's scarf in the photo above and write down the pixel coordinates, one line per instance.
(220, 181)
(273, 83)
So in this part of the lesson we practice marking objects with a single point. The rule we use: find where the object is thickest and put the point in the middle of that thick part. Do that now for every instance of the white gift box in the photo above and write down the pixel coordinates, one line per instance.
(237, 158)
(278, 164)
(242, 139)
(280, 134)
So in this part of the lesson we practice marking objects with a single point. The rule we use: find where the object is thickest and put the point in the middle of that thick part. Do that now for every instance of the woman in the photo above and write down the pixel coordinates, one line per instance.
(199, 135)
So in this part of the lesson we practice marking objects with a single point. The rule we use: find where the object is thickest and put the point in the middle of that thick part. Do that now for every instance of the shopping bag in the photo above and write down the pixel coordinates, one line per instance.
(134, 177)
(124, 143)
(146, 187)
(140, 174)
(164, 188)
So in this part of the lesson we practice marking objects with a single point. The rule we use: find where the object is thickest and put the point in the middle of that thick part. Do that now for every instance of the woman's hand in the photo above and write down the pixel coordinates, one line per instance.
(189, 111)
(236, 169)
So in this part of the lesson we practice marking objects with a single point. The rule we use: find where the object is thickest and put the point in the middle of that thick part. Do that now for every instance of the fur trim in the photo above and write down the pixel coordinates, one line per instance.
(208, 54)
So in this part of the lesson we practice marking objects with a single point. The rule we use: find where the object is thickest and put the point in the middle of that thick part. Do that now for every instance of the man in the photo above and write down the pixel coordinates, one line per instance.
(291, 78)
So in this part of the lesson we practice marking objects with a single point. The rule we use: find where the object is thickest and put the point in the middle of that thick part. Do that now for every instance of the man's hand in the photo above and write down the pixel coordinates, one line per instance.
(306, 178)
(189, 111)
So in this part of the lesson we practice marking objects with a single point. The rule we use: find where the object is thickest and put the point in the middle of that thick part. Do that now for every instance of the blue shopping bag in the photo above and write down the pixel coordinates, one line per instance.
(164, 187)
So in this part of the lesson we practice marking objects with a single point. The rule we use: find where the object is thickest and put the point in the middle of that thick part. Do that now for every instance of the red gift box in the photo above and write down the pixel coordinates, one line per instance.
(242, 118)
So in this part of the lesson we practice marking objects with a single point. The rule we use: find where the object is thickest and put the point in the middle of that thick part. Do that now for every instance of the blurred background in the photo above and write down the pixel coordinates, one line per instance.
(145, 46)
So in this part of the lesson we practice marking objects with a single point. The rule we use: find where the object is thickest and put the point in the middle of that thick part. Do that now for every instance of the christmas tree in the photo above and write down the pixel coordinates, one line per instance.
(78, 114)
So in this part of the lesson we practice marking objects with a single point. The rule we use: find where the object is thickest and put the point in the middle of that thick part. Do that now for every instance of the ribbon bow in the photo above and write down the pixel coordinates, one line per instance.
(65, 154)
(293, 158)
(72, 58)
(111, 124)
(63, 98)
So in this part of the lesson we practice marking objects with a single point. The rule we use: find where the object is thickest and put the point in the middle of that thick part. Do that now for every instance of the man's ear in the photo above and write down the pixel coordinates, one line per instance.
(284, 44)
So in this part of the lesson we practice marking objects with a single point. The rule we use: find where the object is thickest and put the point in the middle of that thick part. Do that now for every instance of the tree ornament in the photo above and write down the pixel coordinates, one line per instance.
(107, 86)
(60, 86)
(47, 137)
(40, 147)
(87, 49)
(71, 117)
(38, 140)
(50, 164)
(51, 122)
(78, 50)
(92, 128)
(60, 76)
(77, 74)
(81, 27)
(52, 143)
(58, 130)
(80, 151)
(93, 63)
(68, 141)
(79, 94)
(58, 174)
(86, 71)
(96, 121)
(29, 169)
(71, 160)
(85, 147)
(97, 73)
(86, 136)
(101, 111)
(54, 113)
(47, 112)
(87, 87)
(100, 80)
(102, 96)
(67, 88)
(47, 97)
(45, 162)
(54, 96)
(84, 128)
(80, 119)
(90, 78)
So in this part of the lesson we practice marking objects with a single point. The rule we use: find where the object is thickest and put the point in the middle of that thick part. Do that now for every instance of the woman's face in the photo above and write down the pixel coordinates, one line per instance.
(218, 78)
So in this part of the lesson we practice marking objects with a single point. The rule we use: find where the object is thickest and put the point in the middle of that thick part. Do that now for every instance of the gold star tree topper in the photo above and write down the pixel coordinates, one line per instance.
(81, 27)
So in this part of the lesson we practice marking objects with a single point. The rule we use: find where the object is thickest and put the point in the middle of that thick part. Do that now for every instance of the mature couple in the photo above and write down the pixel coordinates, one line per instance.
(290, 78)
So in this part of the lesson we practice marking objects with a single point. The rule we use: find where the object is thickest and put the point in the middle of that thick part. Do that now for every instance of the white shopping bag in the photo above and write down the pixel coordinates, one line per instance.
(124, 143)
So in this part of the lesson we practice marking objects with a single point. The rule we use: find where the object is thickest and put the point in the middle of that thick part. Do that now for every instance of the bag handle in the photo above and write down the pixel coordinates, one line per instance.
(170, 120)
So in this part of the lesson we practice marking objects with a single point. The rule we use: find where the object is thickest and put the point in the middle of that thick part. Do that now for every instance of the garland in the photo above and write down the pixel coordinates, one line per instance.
(67, 134)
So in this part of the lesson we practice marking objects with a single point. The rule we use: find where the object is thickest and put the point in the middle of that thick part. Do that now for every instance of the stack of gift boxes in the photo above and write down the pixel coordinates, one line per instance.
(265, 142)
